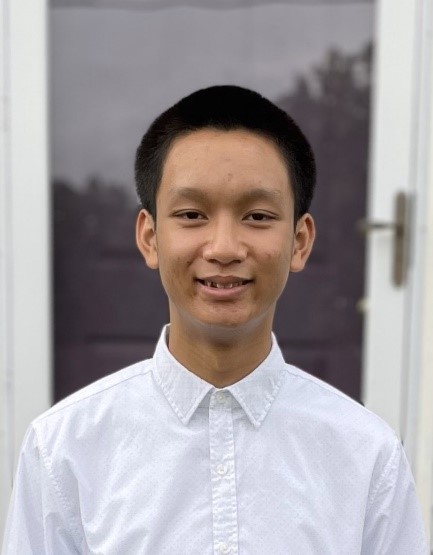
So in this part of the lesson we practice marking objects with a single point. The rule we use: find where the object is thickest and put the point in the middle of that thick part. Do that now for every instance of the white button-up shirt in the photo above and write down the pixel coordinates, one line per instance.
(154, 460)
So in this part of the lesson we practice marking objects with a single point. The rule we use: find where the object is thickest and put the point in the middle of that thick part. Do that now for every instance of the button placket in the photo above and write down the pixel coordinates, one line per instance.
(221, 397)
(223, 482)
(221, 469)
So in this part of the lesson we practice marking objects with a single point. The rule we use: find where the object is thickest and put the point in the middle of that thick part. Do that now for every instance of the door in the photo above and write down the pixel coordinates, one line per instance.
(398, 356)
(112, 72)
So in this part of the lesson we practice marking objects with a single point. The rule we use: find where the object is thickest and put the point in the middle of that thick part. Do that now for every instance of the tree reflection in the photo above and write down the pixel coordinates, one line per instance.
(93, 240)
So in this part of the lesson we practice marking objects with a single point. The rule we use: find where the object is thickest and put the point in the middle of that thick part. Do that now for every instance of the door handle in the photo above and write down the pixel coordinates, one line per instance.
(400, 226)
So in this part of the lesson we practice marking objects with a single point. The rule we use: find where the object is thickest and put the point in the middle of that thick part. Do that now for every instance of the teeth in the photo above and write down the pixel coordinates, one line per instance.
(221, 285)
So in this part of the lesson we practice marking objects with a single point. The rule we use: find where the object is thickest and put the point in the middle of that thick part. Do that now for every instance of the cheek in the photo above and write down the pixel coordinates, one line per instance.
(276, 258)
(173, 268)
(174, 254)
(275, 269)
(177, 269)
(274, 249)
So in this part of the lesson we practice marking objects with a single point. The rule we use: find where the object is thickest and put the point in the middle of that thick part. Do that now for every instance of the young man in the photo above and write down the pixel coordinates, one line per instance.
(216, 445)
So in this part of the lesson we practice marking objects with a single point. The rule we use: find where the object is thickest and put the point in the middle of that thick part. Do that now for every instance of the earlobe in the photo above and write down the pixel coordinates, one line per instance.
(303, 242)
(145, 236)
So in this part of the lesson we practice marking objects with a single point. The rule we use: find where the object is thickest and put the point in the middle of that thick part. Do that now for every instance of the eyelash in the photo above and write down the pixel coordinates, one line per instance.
(264, 217)
(182, 215)
(199, 217)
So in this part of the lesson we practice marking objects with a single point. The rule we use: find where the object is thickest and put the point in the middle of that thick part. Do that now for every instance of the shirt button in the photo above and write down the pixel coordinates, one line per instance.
(224, 548)
(221, 396)
(221, 469)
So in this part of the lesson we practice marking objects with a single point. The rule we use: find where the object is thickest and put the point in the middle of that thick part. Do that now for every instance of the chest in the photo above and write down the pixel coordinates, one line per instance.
(217, 486)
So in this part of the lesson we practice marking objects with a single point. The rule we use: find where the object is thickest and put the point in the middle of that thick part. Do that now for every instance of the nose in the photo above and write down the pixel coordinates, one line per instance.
(224, 244)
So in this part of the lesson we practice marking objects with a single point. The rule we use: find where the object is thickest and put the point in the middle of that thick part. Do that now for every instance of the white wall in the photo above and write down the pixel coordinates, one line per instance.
(25, 327)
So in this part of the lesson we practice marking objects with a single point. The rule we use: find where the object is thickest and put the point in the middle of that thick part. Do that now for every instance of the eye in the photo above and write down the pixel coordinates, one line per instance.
(259, 217)
(190, 215)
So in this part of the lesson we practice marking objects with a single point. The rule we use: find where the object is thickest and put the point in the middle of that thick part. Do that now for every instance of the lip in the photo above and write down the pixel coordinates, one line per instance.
(223, 294)
(223, 280)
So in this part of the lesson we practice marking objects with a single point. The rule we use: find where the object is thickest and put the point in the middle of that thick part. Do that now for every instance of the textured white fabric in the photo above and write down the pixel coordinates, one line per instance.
(153, 460)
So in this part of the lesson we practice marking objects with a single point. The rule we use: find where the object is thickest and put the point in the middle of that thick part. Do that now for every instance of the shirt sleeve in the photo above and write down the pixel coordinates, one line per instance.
(36, 524)
(393, 524)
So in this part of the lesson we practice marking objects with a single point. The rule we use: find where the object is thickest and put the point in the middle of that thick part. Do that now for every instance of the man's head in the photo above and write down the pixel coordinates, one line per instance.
(225, 179)
(225, 108)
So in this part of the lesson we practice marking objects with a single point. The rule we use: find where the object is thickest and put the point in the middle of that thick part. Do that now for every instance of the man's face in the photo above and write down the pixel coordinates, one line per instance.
(224, 240)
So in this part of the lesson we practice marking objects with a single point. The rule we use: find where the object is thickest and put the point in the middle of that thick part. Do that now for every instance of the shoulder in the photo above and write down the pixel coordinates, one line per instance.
(98, 403)
(336, 416)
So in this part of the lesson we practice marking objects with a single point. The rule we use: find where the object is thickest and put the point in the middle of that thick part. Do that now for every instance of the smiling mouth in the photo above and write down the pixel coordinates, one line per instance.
(216, 285)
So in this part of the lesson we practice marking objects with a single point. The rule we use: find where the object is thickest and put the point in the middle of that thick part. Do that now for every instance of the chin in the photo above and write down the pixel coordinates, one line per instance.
(226, 321)
(230, 327)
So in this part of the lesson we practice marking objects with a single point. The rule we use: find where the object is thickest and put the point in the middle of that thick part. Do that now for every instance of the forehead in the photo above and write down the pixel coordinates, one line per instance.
(213, 160)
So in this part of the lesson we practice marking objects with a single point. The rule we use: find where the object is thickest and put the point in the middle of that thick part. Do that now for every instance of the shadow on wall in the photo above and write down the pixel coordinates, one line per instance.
(109, 308)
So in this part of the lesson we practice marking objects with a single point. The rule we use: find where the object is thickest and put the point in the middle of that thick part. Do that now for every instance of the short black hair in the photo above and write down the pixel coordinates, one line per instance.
(225, 107)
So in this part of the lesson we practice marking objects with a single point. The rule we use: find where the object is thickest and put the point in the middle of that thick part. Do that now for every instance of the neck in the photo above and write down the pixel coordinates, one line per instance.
(219, 358)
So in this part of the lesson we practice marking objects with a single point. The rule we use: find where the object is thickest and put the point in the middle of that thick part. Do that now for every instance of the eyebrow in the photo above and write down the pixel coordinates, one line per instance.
(263, 193)
(255, 193)
(188, 193)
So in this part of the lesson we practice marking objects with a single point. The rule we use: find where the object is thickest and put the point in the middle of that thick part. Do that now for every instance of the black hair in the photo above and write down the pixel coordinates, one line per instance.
(225, 107)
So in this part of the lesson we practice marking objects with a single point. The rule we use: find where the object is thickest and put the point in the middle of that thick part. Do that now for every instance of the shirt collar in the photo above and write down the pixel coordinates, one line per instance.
(185, 391)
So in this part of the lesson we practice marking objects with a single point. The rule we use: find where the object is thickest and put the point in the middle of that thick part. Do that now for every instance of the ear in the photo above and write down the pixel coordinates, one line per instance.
(145, 236)
(303, 242)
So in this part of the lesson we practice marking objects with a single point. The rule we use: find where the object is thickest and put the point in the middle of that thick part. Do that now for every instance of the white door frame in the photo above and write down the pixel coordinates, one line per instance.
(417, 416)
(398, 355)
(25, 305)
